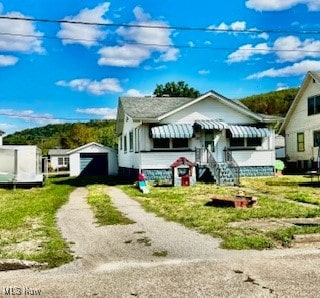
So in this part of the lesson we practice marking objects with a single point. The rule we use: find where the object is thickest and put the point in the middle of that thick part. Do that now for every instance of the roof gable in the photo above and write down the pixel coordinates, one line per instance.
(315, 76)
(89, 145)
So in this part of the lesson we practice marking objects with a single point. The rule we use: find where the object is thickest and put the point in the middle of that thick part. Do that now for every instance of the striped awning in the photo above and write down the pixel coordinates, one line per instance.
(211, 124)
(175, 131)
(239, 131)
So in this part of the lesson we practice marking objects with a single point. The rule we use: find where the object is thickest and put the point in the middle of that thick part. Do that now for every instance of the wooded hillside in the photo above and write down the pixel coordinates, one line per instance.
(70, 136)
(66, 136)
(272, 103)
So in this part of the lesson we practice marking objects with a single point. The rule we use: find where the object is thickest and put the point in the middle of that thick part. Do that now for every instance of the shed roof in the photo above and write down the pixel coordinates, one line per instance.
(89, 145)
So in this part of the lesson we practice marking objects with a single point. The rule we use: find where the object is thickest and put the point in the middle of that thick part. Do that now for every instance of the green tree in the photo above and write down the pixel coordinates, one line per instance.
(173, 89)
(78, 135)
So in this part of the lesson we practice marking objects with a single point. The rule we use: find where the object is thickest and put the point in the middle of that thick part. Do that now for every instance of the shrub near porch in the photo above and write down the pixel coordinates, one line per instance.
(188, 205)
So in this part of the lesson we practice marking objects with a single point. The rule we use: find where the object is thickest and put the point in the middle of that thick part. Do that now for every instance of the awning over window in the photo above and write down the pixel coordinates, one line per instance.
(239, 131)
(211, 124)
(175, 131)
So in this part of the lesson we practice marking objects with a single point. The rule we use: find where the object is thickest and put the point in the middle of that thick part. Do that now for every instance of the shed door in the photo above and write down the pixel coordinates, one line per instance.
(93, 164)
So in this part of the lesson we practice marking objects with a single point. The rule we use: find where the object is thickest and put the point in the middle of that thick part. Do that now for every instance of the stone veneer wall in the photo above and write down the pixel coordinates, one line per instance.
(256, 171)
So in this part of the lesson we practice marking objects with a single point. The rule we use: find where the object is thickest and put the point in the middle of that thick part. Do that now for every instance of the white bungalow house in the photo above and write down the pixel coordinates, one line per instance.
(301, 127)
(59, 159)
(222, 137)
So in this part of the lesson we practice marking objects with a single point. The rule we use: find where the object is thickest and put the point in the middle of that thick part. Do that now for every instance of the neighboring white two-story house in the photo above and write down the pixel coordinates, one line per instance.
(222, 137)
(301, 127)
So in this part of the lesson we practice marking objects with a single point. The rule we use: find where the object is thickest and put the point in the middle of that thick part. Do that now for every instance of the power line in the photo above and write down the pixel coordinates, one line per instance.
(167, 27)
(19, 116)
(271, 50)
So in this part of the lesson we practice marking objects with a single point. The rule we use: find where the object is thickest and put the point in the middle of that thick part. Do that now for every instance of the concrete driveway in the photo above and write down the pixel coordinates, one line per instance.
(157, 258)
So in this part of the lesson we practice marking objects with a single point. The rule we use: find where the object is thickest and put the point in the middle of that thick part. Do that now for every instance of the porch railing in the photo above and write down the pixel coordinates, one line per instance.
(205, 157)
(233, 166)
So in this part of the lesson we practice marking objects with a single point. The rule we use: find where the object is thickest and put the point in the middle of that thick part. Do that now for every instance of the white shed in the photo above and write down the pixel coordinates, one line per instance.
(93, 159)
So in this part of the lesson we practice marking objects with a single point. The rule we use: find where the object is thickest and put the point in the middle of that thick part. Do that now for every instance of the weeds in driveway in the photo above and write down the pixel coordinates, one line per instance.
(105, 212)
(188, 205)
(161, 253)
(28, 225)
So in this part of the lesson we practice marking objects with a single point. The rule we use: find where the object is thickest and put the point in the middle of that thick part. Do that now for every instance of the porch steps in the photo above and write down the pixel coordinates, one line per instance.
(222, 174)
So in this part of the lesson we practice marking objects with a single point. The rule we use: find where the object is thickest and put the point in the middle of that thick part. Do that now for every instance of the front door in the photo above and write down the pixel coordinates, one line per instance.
(209, 140)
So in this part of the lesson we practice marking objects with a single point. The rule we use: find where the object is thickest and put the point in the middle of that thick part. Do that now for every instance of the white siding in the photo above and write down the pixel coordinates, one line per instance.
(301, 122)
(209, 108)
(254, 158)
(130, 159)
(163, 160)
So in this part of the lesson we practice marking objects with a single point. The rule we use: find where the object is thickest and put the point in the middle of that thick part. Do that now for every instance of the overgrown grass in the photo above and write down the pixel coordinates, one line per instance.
(189, 206)
(28, 226)
(105, 212)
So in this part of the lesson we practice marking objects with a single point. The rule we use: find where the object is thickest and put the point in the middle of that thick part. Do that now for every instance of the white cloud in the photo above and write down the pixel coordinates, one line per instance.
(107, 85)
(277, 5)
(107, 113)
(19, 35)
(298, 49)
(86, 35)
(281, 86)
(296, 69)
(140, 42)
(6, 60)
(204, 72)
(235, 26)
(5, 127)
(135, 93)
(128, 55)
(286, 49)
(30, 116)
(245, 52)
(171, 54)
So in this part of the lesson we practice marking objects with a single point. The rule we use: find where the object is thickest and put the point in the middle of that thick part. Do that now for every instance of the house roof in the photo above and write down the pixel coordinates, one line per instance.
(311, 75)
(58, 152)
(2, 132)
(151, 107)
(154, 109)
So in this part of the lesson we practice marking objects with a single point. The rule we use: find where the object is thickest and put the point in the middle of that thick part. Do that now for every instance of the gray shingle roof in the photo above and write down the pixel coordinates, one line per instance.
(151, 107)
(58, 151)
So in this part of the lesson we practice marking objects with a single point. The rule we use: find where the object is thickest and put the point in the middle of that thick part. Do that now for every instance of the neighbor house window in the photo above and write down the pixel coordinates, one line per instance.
(300, 142)
(161, 143)
(60, 161)
(63, 161)
(316, 138)
(313, 105)
(180, 143)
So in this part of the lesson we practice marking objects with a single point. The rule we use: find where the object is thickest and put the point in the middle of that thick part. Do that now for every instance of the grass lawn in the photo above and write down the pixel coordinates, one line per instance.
(28, 225)
(277, 198)
(102, 207)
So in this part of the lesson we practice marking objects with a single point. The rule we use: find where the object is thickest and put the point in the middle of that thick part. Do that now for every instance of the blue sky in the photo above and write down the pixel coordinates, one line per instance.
(57, 72)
